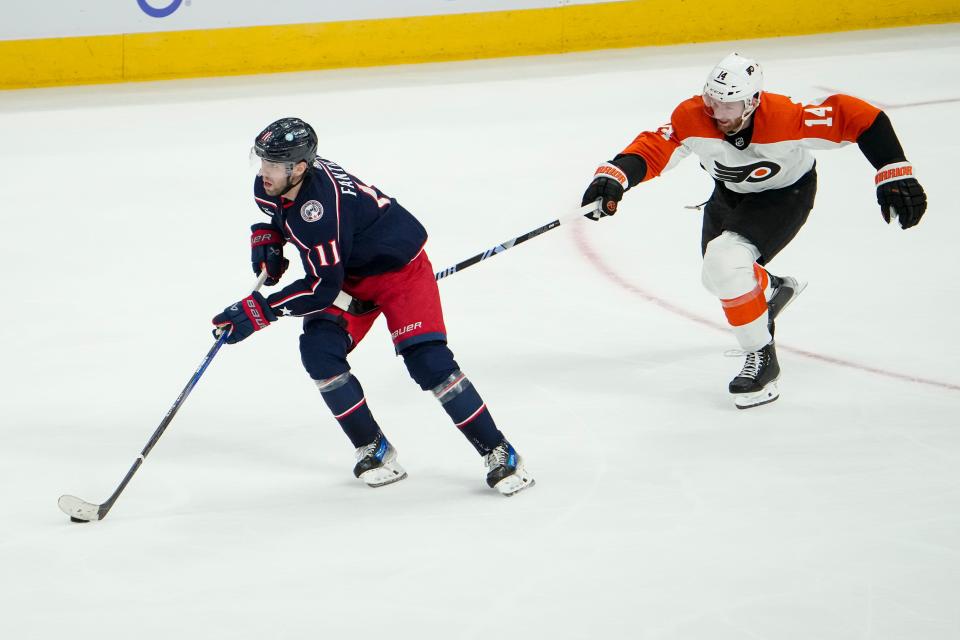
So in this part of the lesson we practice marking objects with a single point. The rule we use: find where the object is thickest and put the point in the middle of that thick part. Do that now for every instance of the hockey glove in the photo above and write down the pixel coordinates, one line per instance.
(899, 194)
(266, 252)
(609, 183)
(243, 318)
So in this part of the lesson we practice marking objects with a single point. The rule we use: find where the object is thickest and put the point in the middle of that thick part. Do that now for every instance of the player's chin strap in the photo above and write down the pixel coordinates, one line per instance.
(357, 307)
(292, 185)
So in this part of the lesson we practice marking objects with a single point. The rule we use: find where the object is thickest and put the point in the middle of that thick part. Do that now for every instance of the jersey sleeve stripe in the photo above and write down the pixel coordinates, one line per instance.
(313, 267)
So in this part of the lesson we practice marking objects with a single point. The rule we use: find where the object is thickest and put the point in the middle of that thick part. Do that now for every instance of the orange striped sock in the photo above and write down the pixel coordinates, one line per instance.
(751, 305)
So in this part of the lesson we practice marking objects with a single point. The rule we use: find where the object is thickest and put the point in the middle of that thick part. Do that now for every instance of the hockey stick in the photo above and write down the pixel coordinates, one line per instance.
(83, 511)
(359, 307)
(584, 212)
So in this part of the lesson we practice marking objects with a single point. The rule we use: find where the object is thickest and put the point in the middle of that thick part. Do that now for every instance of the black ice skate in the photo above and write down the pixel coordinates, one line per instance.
(756, 384)
(785, 290)
(377, 463)
(505, 470)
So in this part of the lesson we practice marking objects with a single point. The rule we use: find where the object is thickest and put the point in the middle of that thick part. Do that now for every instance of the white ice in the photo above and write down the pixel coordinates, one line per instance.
(660, 511)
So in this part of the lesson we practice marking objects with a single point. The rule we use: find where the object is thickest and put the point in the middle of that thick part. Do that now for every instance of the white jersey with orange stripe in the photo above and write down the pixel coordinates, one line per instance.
(774, 152)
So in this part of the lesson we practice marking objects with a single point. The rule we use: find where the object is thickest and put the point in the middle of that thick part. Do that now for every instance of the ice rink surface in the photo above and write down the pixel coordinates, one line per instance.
(660, 511)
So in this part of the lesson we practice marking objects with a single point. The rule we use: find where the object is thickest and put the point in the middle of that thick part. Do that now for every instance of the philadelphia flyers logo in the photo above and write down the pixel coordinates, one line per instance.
(757, 172)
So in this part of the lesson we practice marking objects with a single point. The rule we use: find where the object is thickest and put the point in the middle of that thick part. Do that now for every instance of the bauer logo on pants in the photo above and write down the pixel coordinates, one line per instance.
(311, 211)
(406, 329)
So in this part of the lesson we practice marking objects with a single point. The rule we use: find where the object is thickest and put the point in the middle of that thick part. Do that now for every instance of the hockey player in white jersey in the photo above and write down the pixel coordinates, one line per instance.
(756, 146)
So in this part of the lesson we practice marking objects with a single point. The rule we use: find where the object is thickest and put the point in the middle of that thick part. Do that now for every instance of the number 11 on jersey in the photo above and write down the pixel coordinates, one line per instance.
(334, 253)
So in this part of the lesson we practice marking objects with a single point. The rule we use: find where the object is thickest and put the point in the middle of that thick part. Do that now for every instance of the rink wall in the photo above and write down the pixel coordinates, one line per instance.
(135, 40)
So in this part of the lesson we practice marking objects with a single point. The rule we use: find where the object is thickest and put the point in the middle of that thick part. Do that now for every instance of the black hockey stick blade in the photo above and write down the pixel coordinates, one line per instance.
(79, 510)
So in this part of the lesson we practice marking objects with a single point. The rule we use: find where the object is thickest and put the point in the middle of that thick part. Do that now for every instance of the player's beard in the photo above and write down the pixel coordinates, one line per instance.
(288, 184)
(731, 128)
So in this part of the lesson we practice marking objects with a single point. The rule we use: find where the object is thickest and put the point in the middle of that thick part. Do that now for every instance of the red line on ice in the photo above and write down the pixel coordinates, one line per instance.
(594, 258)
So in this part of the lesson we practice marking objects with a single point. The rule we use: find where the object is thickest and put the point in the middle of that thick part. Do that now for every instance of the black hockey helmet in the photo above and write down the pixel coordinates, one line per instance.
(287, 140)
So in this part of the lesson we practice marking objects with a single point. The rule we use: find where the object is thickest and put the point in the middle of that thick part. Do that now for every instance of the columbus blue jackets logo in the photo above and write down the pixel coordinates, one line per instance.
(311, 211)
(756, 172)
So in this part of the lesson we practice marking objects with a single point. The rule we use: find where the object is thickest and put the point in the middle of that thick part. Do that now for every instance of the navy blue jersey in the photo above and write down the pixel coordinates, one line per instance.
(342, 228)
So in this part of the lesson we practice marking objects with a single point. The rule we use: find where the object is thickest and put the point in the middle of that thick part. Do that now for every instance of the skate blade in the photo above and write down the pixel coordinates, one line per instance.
(515, 483)
(797, 290)
(389, 473)
(757, 398)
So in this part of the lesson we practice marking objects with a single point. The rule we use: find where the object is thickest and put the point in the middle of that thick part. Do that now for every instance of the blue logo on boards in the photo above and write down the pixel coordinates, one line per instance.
(162, 12)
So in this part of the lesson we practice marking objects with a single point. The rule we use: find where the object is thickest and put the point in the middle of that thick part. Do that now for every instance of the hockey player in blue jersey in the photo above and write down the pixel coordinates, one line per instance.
(356, 244)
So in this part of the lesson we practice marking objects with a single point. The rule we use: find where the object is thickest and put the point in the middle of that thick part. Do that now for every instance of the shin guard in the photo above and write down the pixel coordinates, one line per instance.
(344, 396)
(468, 411)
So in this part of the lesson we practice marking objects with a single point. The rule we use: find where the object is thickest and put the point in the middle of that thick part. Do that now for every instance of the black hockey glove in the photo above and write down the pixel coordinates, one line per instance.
(243, 318)
(266, 252)
(899, 194)
(609, 183)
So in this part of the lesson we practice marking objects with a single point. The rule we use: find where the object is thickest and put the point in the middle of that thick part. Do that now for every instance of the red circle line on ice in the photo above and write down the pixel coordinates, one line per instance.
(593, 257)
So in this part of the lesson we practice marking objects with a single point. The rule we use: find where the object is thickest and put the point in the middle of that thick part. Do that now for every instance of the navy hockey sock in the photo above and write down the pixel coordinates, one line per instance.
(344, 395)
(469, 412)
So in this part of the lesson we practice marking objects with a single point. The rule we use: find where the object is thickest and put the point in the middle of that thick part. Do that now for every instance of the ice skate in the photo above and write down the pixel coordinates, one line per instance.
(377, 463)
(756, 384)
(505, 470)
